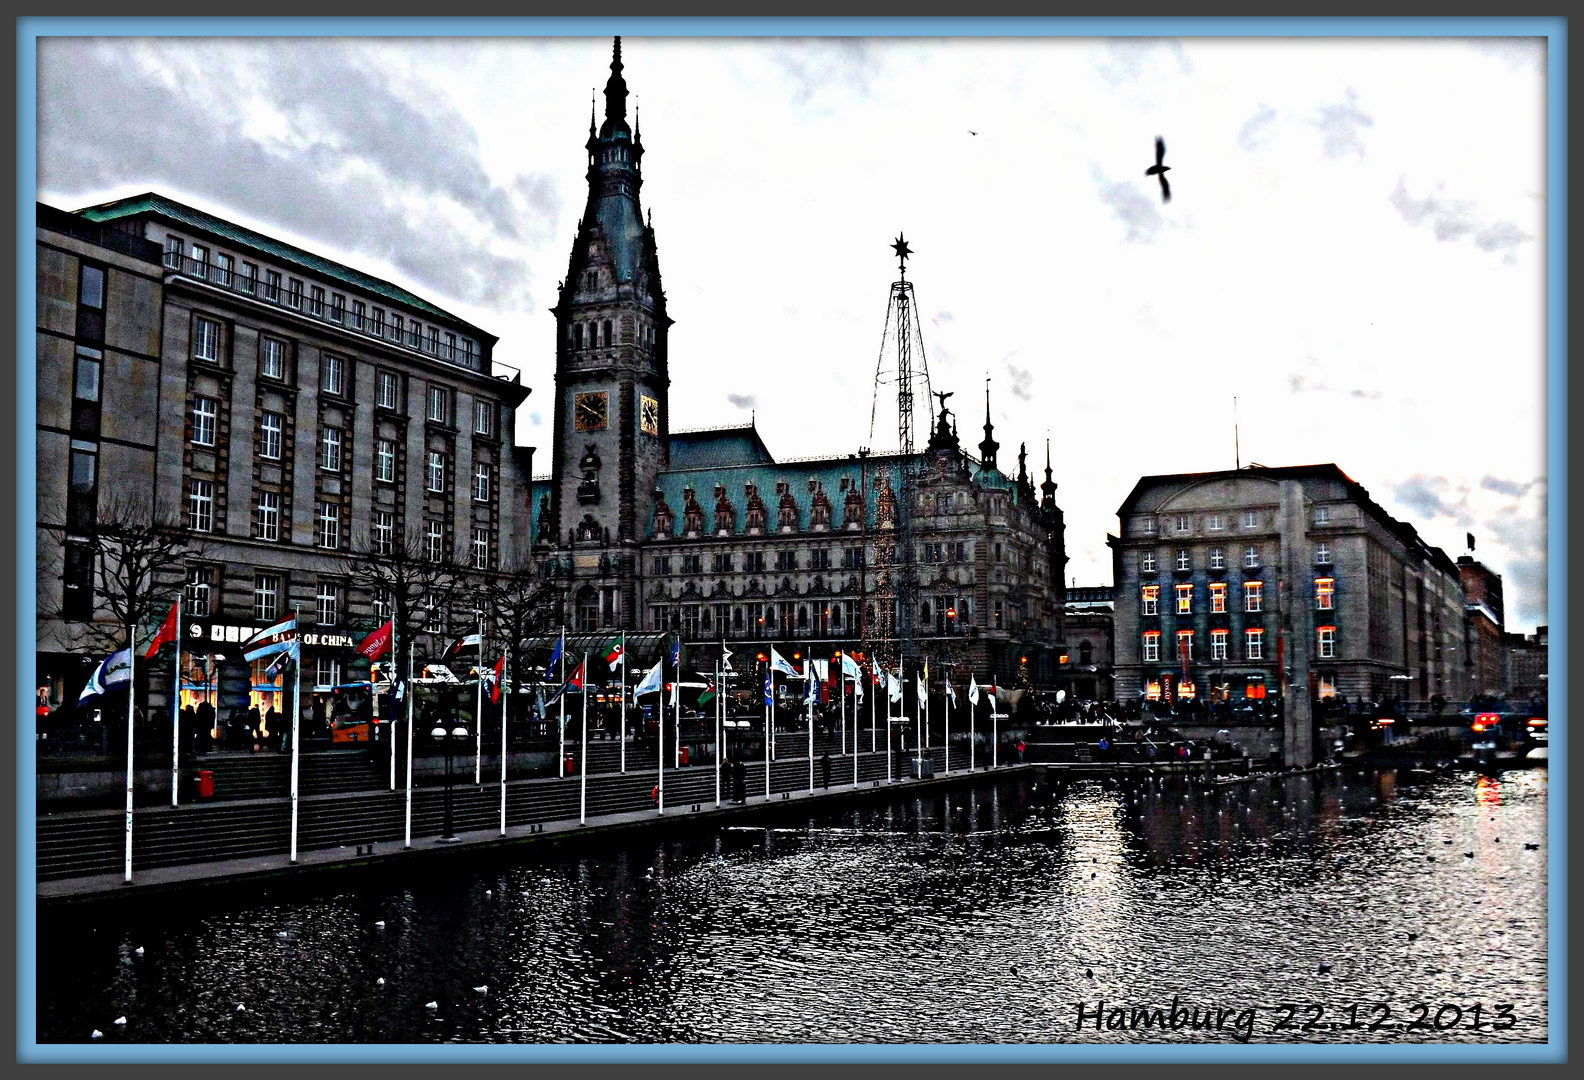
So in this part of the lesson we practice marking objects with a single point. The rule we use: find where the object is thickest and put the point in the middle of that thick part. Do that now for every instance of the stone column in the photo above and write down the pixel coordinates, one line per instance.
(1297, 629)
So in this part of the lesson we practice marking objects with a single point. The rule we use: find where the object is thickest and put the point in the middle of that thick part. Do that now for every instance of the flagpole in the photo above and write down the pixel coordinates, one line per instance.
(855, 717)
(660, 737)
(395, 653)
(973, 722)
(411, 693)
(176, 713)
(808, 674)
(841, 706)
(505, 702)
(918, 719)
(769, 699)
(947, 732)
(583, 757)
(874, 709)
(131, 705)
(560, 751)
(296, 714)
(717, 734)
(478, 708)
(888, 754)
(624, 701)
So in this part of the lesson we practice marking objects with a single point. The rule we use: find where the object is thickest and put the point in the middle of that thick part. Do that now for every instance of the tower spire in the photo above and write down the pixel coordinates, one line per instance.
(988, 448)
(1048, 488)
(615, 94)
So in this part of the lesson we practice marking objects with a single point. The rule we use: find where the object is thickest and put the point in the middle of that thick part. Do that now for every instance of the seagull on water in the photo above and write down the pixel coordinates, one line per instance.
(1160, 168)
(481, 989)
(138, 951)
(120, 1021)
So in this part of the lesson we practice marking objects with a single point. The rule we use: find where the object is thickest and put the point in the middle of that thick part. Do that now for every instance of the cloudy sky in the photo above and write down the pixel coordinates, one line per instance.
(1355, 247)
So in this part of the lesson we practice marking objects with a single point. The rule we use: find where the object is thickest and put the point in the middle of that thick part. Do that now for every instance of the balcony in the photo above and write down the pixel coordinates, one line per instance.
(232, 280)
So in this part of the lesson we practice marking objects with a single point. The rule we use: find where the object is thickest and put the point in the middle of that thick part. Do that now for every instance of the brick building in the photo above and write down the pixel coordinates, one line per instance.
(1484, 631)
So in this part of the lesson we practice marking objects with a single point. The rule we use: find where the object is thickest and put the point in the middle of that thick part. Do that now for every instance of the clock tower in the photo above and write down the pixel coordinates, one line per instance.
(611, 381)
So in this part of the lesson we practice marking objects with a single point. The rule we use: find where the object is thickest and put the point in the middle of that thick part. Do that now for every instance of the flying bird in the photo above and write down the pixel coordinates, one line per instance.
(1160, 169)
(973, 133)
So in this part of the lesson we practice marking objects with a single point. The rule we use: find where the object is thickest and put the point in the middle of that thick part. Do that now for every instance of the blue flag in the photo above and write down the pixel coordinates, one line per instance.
(676, 653)
(556, 653)
(768, 700)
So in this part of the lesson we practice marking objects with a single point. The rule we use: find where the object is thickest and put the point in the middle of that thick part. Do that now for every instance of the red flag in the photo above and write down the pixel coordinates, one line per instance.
(500, 666)
(575, 680)
(375, 645)
(166, 632)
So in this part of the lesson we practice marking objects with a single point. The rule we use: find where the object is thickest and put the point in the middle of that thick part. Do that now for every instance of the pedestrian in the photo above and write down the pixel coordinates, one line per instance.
(825, 769)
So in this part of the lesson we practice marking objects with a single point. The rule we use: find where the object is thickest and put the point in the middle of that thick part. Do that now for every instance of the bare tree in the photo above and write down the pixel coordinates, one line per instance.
(520, 604)
(415, 591)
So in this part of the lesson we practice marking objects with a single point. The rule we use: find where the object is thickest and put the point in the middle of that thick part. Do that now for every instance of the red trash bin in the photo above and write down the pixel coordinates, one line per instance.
(684, 755)
(571, 767)
(205, 783)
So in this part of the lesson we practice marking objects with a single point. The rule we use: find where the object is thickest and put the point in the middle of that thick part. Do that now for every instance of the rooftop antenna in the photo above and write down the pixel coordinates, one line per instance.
(1237, 453)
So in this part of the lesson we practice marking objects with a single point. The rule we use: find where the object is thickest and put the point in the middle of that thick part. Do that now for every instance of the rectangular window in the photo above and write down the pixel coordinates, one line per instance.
(1183, 561)
(439, 404)
(200, 258)
(294, 294)
(1151, 646)
(1325, 593)
(1149, 600)
(1217, 559)
(198, 594)
(86, 384)
(358, 314)
(206, 340)
(272, 358)
(1322, 554)
(692, 564)
(434, 541)
(174, 246)
(481, 549)
(1000, 614)
(481, 482)
(382, 532)
(90, 286)
(754, 562)
(381, 602)
(327, 672)
(1251, 556)
(434, 341)
(328, 604)
(337, 307)
(1322, 515)
(1250, 519)
(450, 347)
(1147, 526)
(204, 413)
(268, 515)
(467, 354)
(1217, 597)
(272, 286)
(1326, 640)
(200, 505)
(223, 265)
(1254, 644)
(330, 449)
(266, 597)
(377, 322)
(396, 327)
(1185, 599)
(1146, 562)
(1215, 522)
(1182, 523)
(484, 418)
(329, 525)
(247, 277)
(1218, 644)
(271, 426)
(316, 304)
(436, 474)
(388, 391)
(385, 461)
(332, 374)
(1185, 644)
(1253, 596)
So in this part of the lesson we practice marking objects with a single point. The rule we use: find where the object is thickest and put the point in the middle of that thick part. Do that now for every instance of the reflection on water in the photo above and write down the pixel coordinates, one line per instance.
(984, 915)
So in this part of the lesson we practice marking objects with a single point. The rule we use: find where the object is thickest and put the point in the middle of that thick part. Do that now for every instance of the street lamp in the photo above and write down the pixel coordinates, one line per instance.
(448, 740)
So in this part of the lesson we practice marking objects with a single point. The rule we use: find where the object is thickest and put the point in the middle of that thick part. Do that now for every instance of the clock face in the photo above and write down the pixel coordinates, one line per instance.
(588, 412)
(649, 415)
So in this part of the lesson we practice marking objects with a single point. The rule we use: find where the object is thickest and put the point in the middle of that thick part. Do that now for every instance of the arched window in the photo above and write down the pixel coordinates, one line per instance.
(924, 613)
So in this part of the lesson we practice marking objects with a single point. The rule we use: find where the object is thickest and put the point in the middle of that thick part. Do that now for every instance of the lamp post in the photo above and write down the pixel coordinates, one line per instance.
(448, 740)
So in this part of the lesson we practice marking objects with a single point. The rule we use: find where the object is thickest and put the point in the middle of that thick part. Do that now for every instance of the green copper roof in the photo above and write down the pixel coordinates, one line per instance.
(716, 447)
(152, 203)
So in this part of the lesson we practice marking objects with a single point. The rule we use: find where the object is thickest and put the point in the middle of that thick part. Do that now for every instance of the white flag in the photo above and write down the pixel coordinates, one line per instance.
(726, 655)
(652, 680)
(894, 686)
(113, 671)
(778, 663)
(973, 691)
(951, 692)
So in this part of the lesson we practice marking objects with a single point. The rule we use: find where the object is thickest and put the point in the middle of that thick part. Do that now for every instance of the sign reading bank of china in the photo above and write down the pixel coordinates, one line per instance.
(209, 634)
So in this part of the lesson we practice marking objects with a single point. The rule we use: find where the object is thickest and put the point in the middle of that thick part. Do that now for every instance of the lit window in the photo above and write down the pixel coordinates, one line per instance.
(328, 603)
(1250, 519)
(1218, 644)
(272, 358)
(388, 390)
(1149, 597)
(481, 482)
(269, 515)
(1185, 644)
(332, 375)
(1183, 561)
(434, 542)
(1254, 644)
(436, 477)
(1146, 561)
(1251, 556)
(382, 532)
(481, 549)
(1326, 638)
(330, 449)
(1253, 596)
(1215, 523)
(204, 411)
(1151, 645)
(1322, 555)
(1217, 559)
(200, 505)
(1185, 599)
(1218, 597)
(1325, 593)
(385, 461)
(266, 597)
(329, 525)
(206, 340)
